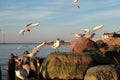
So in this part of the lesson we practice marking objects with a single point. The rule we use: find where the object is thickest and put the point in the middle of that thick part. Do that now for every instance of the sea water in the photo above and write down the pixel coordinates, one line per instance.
(7, 48)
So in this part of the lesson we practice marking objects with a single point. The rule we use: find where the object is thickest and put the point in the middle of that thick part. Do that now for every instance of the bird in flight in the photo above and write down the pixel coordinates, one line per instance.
(36, 49)
(27, 27)
(56, 44)
(90, 34)
(76, 3)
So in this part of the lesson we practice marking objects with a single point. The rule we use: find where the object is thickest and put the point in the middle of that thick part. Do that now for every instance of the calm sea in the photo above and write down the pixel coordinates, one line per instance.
(7, 48)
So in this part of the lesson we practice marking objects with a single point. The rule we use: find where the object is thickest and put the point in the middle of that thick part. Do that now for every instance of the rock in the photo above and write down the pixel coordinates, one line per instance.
(112, 41)
(80, 44)
(113, 52)
(65, 66)
(102, 59)
(103, 72)
(35, 64)
(101, 43)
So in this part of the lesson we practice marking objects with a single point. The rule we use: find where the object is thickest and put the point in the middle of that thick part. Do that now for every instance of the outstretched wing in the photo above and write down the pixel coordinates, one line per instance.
(36, 49)
(76, 3)
(77, 35)
(97, 28)
(27, 27)
(31, 25)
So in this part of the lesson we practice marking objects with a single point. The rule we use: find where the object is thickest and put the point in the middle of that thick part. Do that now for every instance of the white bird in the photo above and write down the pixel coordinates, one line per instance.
(56, 44)
(90, 34)
(78, 35)
(19, 47)
(27, 27)
(19, 75)
(76, 3)
(36, 49)
(23, 72)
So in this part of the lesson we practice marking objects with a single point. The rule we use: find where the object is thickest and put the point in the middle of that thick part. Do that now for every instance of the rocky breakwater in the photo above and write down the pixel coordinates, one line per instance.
(89, 63)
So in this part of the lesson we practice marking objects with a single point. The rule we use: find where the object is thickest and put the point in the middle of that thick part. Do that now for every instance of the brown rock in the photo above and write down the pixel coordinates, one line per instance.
(112, 41)
(81, 44)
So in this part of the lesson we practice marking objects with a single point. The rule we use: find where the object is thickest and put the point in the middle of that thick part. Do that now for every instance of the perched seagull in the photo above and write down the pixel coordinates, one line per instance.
(56, 44)
(23, 72)
(27, 27)
(78, 35)
(90, 34)
(76, 3)
(36, 49)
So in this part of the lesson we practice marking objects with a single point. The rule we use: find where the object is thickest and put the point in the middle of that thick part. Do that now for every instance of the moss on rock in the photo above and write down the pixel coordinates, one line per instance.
(65, 66)
(103, 72)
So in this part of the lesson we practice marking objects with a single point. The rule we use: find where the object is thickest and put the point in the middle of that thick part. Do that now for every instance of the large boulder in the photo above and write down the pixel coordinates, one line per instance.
(65, 66)
(81, 44)
(103, 72)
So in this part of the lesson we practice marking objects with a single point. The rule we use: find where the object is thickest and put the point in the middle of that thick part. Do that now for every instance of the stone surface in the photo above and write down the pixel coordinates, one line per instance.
(103, 72)
(65, 66)
(80, 44)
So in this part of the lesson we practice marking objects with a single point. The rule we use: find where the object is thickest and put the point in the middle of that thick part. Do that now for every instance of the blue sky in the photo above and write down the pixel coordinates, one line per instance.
(57, 18)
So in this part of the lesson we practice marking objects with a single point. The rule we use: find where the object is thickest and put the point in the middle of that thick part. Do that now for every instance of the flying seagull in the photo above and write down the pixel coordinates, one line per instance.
(78, 35)
(76, 3)
(27, 27)
(36, 49)
(90, 34)
(56, 44)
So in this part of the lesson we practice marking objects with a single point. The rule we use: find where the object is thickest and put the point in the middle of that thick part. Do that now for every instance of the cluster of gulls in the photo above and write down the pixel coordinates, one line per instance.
(88, 33)
(23, 72)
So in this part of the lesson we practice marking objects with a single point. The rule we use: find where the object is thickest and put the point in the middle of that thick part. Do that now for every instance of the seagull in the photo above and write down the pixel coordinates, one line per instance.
(78, 35)
(90, 34)
(56, 44)
(19, 47)
(76, 3)
(36, 49)
(27, 27)
(23, 72)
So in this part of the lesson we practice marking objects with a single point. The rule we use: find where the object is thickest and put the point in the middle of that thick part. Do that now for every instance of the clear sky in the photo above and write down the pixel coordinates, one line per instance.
(57, 18)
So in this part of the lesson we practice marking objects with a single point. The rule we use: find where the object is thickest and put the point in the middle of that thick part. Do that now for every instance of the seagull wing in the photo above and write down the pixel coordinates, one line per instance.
(22, 32)
(31, 25)
(18, 74)
(76, 3)
(77, 35)
(27, 27)
(36, 49)
(97, 28)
